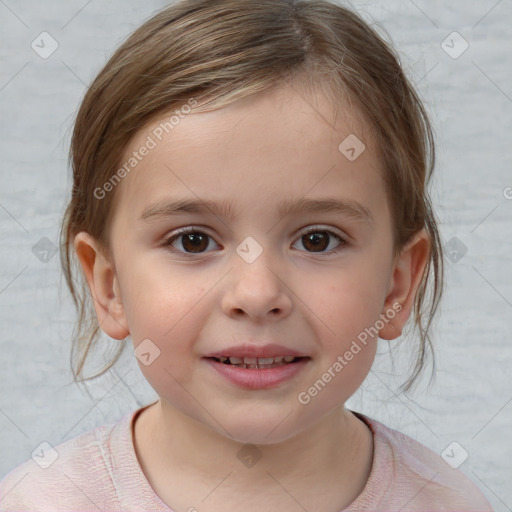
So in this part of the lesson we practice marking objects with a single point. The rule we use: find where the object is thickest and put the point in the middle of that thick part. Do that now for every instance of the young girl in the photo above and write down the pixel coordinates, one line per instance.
(249, 206)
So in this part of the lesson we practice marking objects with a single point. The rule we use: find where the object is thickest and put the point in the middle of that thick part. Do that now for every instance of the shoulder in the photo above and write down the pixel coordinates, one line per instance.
(415, 478)
(76, 475)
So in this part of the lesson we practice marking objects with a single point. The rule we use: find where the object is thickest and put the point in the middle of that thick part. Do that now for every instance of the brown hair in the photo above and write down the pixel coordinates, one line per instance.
(228, 49)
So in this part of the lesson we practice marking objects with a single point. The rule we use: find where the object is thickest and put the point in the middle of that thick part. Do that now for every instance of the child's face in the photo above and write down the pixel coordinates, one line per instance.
(255, 155)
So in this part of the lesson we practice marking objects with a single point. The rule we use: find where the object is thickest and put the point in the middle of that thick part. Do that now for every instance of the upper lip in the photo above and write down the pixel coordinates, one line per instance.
(270, 350)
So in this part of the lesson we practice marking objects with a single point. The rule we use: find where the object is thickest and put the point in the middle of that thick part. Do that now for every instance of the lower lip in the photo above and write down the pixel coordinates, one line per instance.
(258, 379)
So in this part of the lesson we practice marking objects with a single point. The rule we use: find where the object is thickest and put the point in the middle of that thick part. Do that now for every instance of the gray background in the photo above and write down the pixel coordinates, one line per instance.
(470, 101)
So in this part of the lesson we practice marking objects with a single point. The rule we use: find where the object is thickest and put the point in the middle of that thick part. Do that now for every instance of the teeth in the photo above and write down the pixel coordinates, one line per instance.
(256, 360)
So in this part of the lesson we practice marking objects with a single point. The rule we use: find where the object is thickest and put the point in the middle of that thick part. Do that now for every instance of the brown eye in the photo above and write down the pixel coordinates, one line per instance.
(319, 241)
(192, 241)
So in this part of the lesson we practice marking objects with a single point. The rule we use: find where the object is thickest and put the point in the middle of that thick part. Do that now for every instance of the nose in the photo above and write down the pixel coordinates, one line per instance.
(257, 290)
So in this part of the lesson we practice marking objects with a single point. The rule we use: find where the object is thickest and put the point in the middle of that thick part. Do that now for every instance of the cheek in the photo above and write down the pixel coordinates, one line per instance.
(159, 301)
(346, 299)
(171, 318)
(167, 311)
(347, 303)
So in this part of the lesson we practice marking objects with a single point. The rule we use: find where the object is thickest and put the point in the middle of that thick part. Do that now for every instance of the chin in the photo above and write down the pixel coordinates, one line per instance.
(260, 430)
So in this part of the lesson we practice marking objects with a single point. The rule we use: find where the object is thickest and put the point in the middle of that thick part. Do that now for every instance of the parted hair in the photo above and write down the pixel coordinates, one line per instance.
(217, 51)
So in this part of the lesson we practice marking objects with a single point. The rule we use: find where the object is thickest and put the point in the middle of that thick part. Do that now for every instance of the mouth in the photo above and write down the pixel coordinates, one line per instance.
(258, 363)
(258, 367)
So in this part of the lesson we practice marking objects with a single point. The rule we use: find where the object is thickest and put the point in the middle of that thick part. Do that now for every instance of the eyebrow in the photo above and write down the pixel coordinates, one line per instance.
(169, 208)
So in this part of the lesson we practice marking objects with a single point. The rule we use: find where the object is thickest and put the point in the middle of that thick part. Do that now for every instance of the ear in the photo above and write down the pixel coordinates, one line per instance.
(103, 285)
(405, 278)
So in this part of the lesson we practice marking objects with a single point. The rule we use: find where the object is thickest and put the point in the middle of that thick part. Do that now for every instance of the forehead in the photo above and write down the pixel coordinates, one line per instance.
(282, 143)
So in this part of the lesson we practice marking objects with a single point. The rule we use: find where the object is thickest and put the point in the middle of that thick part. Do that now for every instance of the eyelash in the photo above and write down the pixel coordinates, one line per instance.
(191, 229)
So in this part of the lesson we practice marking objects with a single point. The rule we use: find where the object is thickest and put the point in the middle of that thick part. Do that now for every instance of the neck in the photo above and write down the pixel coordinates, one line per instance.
(332, 457)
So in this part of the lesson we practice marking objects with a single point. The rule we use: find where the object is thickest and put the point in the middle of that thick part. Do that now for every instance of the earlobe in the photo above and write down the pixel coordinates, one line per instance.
(102, 280)
(405, 279)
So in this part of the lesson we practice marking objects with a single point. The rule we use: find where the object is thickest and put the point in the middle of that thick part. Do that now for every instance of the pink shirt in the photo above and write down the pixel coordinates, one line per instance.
(99, 470)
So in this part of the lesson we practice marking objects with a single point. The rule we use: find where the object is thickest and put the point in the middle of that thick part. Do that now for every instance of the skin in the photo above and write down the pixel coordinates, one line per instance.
(261, 150)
